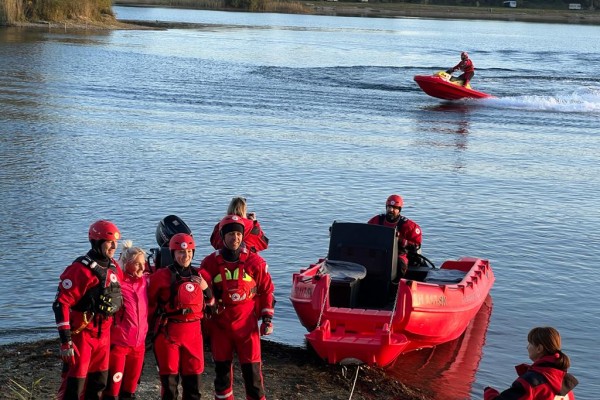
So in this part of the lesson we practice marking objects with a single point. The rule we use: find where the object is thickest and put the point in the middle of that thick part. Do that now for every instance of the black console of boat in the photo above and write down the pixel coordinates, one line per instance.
(376, 249)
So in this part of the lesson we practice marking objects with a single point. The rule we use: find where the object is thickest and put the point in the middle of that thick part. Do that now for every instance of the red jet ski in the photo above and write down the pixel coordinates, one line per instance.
(444, 86)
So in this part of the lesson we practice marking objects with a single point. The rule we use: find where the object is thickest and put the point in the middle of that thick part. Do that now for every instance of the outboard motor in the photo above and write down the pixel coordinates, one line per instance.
(167, 227)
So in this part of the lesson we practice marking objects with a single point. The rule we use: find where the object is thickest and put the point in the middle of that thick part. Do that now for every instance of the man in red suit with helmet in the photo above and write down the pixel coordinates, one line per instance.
(244, 292)
(408, 232)
(465, 65)
(88, 295)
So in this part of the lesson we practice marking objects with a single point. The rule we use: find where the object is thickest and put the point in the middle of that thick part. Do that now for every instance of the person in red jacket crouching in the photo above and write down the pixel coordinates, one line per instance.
(177, 296)
(547, 378)
(130, 326)
(242, 287)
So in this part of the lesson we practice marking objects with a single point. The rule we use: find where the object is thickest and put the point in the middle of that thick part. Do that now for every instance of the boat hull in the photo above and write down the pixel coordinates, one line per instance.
(436, 86)
(424, 314)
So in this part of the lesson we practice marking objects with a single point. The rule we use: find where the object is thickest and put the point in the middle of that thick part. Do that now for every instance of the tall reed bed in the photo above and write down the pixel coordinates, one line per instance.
(12, 11)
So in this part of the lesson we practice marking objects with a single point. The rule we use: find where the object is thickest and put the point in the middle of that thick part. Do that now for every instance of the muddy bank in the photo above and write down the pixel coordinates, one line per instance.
(290, 373)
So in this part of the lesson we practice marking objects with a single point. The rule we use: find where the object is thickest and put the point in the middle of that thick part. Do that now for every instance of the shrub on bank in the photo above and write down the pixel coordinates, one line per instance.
(12, 11)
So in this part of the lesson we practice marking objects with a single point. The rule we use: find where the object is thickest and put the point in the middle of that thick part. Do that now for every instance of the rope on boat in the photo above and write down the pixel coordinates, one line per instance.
(394, 308)
(355, 379)
(324, 302)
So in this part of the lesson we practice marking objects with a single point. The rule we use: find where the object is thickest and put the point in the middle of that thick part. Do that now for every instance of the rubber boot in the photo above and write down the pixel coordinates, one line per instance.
(95, 385)
(191, 385)
(168, 387)
(253, 381)
(71, 388)
(223, 380)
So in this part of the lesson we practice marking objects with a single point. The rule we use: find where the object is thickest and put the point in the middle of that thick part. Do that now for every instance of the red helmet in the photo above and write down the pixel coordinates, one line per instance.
(104, 230)
(182, 241)
(464, 55)
(394, 200)
(231, 223)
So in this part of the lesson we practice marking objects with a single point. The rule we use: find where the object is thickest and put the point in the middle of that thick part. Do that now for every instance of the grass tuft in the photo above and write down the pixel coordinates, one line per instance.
(24, 393)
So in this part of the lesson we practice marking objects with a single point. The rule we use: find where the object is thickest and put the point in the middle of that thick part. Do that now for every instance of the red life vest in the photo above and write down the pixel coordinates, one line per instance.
(186, 300)
(237, 286)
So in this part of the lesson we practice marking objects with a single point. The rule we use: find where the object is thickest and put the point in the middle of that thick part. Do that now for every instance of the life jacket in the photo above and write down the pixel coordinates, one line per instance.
(107, 291)
(233, 287)
(186, 299)
(399, 224)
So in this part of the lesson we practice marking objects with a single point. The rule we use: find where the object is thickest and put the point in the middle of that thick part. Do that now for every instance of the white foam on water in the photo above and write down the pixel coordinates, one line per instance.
(582, 100)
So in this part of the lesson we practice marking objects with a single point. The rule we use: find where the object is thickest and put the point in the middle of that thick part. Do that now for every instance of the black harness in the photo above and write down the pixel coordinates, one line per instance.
(105, 298)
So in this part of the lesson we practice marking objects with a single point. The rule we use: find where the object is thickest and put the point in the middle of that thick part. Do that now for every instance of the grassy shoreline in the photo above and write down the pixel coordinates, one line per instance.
(328, 8)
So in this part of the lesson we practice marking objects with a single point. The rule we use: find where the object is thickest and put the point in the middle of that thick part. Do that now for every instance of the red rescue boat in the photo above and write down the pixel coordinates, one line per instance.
(357, 310)
(443, 86)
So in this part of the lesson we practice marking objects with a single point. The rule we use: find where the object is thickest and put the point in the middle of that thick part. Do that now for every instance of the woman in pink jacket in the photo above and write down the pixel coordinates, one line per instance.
(129, 329)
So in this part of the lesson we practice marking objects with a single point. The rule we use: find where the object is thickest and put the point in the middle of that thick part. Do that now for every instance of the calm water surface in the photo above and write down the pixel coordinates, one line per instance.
(315, 119)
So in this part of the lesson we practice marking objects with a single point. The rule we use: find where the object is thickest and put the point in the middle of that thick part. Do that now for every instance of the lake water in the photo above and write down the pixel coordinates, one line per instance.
(315, 119)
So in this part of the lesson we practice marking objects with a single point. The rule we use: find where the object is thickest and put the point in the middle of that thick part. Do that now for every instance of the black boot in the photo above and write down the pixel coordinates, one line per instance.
(95, 385)
(168, 390)
(191, 385)
(253, 381)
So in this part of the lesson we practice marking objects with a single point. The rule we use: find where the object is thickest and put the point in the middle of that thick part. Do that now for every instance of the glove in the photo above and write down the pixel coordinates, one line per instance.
(266, 327)
(200, 281)
(106, 304)
(67, 353)
(449, 71)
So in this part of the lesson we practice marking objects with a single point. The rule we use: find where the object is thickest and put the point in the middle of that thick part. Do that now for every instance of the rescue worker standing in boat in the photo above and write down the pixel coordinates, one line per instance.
(177, 295)
(244, 292)
(408, 232)
(88, 295)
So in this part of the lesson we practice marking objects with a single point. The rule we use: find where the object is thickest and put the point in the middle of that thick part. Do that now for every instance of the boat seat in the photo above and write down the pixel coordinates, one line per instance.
(343, 270)
(445, 276)
(345, 282)
(373, 246)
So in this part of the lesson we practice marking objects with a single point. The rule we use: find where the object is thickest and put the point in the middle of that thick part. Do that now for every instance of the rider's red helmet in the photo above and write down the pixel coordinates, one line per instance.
(104, 230)
(231, 223)
(464, 55)
(182, 241)
(394, 201)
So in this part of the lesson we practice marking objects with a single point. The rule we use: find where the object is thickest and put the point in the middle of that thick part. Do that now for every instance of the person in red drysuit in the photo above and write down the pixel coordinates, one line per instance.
(177, 295)
(408, 232)
(254, 239)
(88, 295)
(465, 65)
(547, 378)
(130, 326)
(244, 292)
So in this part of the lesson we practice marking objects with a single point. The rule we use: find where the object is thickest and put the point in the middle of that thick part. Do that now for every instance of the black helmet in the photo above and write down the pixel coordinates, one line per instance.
(168, 227)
